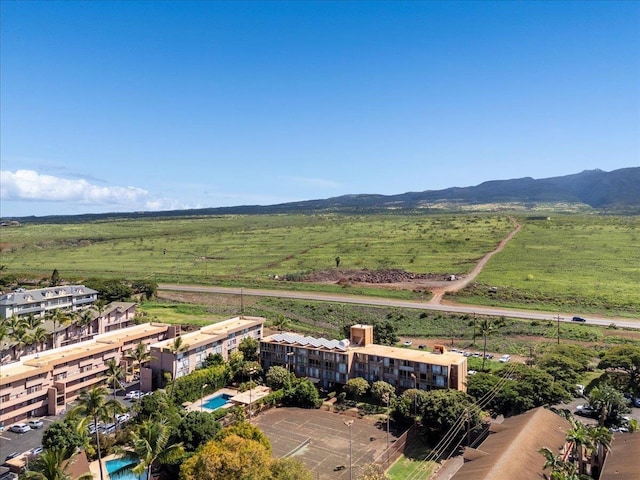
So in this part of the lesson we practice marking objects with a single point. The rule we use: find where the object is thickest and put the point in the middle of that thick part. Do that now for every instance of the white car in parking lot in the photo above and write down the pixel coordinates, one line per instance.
(20, 428)
(125, 417)
(133, 395)
(505, 358)
(35, 423)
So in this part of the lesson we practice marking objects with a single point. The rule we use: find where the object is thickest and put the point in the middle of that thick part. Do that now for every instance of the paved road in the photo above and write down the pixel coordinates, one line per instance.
(387, 302)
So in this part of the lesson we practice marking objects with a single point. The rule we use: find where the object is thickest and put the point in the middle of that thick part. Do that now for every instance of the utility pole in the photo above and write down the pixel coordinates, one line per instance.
(558, 329)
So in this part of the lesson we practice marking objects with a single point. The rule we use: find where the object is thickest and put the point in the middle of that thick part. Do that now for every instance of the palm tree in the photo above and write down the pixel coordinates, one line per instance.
(51, 466)
(39, 336)
(140, 355)
(114, 373)
(600, 438)
(83, 320)
(560, 470)
(60, 318)
(176, 348)
(93, 406)
(578, 434)
(21, 338)
(32, 322)
(150, 445)
(280, 322)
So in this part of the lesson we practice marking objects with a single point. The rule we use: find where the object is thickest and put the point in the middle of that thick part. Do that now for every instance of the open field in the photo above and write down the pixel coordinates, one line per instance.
(584, 263)
(580, 263)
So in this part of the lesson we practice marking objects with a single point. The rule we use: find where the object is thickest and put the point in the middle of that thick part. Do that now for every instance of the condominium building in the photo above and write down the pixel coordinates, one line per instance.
(223, 338)
(44, 383)
(38, 302)
(332, 362)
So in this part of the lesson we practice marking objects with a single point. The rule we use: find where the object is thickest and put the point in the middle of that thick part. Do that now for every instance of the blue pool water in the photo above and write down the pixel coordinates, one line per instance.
(217, 401)
(119, 463)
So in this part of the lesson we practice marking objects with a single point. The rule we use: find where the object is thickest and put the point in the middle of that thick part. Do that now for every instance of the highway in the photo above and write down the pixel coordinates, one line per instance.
(388, 302)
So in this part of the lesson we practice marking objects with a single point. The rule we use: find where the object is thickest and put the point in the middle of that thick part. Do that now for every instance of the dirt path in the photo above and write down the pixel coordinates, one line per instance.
(459, 284)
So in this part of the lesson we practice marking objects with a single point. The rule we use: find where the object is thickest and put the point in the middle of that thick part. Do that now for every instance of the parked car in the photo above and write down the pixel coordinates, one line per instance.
(488, 355)
(472, 372)
(408, 343)
(580, 389)
(586, 410)
(133, 395)
(422, 346)
(125, 417)
(36, 451)
(578, 319)
(636, 402)
(108, 428)
(35, 423)
(505, 358)
(20, 428)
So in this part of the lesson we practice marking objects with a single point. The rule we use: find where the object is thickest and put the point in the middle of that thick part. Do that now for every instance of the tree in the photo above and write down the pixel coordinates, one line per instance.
(230, 457)
(247, 431)
(140, 355)
(50, 465)
(372, 471)
(302, 393)
(159, 401)
(278, 377)
(580, 439)
(55, 278)
(443, 409)
(93, 406)
(39, 337)
(62, 434)
(289, 469)
(380, 388)
(195, 429)
(280, 322)
(626, 358)
(356, 387)
(150, 444)
(59, 319)
(249, 348)
(84, 319)
(609, 403)
(487, 326)
(114, 374)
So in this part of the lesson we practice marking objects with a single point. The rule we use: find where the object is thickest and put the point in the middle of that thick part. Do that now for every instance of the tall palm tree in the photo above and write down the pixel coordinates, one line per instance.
(83, 320)
(579, 436)
(560, 470)
(59, 318)
(93, 406)
(140, 355)
(32, 322)
(177, 348)
(150, 445)
(39, 336)
(600, 438)
(114, 374)
(21, 338)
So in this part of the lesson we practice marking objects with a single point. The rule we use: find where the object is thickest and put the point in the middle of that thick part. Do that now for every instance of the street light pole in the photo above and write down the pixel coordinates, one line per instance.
(251, 372)
(289, 355)
(202, 395)
(385, 397)
(415, 397)
(349, 423)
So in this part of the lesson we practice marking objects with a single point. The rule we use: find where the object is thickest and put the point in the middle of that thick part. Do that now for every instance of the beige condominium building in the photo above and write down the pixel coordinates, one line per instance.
(44, 383)
(222, 337)
(332, 362)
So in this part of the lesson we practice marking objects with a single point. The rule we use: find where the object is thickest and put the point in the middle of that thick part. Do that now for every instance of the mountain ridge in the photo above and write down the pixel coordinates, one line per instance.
(615, 190)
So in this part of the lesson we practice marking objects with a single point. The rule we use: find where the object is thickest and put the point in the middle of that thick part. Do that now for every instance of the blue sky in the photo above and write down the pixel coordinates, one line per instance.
(128, 106)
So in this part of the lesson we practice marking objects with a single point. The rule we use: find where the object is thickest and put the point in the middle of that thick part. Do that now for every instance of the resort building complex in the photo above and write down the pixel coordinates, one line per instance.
(333, 362)
(23, 303)
(222, 337)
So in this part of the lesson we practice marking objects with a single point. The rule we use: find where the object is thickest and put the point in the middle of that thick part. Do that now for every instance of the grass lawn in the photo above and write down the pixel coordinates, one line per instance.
(411, 464)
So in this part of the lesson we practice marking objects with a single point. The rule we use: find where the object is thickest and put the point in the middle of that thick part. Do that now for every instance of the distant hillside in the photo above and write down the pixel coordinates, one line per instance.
(616, 190)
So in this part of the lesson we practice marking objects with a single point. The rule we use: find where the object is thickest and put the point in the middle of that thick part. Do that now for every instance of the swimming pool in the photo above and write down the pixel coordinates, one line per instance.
(118, 465)
(216, 402)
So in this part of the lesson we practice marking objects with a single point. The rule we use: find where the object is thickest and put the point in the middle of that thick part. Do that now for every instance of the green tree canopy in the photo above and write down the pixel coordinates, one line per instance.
(356, 387)
(195, 429)
(278, 377)
(62, 435)
(249, 347)
(626, 358)
(380, 388)
(302, 393)
(443, 409)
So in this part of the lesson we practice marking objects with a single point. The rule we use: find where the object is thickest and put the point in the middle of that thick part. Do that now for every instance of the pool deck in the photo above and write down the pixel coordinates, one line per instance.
(237, 398)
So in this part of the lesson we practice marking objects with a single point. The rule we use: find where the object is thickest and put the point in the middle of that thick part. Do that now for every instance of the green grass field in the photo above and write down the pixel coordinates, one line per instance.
(579, 262)
(252, 248)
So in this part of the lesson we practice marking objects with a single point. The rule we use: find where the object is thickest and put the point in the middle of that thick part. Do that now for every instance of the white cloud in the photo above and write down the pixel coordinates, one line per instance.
(32, 186)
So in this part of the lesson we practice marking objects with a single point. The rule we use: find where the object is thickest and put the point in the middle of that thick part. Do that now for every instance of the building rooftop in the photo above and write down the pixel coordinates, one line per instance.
(411, 355)
(213, 331)
(310, 342)
(22, 297)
